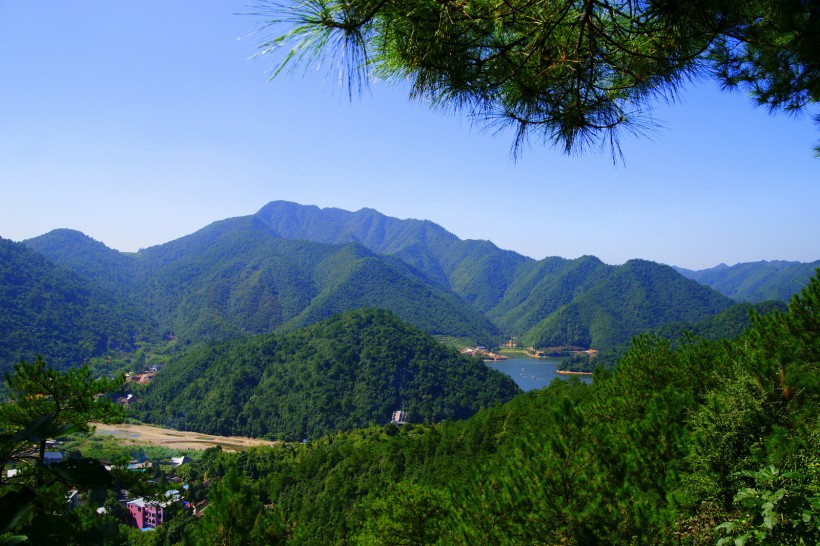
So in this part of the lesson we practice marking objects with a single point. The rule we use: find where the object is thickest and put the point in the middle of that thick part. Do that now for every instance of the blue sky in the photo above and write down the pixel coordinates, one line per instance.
(140, 122)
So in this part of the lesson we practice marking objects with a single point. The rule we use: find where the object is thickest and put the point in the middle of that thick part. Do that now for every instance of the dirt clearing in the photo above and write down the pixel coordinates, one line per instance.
(129, 434)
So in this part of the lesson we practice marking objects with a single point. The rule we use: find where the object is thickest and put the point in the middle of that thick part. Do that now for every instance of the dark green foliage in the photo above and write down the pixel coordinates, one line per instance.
(690, 443)
(728, 324)
(106, 267)
(47, 310)
(46, 405)
(756, 281)
(351, 371)
(72, 396)
(573, 74)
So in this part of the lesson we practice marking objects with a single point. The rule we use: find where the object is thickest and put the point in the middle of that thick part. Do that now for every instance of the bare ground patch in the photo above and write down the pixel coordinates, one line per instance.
(175, 439)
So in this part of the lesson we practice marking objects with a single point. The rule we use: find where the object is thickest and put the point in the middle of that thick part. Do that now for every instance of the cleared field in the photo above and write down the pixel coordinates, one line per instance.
(174, 439)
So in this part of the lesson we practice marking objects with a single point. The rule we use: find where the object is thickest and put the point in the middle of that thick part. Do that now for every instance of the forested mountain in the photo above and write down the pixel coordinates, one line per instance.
(350, 371)
(235, 278)
(554, 301)
(49, 310)
(291, 265)
(109, 269)
(705, 442)
(756, 281)
(633, 298)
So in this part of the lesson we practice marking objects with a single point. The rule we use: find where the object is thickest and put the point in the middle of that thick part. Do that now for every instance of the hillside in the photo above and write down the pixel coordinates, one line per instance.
(48, 310)
(703, 442)
(755, 282)
(554, 301)
(235, 278)
(351, 371)
(636, 297)
(291, 265)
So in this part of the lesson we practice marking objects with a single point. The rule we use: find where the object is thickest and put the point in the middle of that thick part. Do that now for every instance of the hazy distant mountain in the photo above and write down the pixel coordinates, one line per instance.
(347, 372)
(291, 265)
(756, 281)
(49, 310)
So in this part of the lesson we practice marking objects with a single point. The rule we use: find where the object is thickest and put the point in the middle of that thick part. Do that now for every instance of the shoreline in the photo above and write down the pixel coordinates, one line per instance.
(567, 372)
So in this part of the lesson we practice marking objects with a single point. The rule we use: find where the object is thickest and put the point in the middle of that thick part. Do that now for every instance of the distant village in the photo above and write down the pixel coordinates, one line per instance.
(563, 350)
(141, 512)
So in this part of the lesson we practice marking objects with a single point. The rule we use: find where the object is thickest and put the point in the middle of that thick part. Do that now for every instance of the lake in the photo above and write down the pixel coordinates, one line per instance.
(533, 373)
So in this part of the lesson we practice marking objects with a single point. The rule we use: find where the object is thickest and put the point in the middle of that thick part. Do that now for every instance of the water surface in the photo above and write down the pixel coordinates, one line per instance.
(533, 373)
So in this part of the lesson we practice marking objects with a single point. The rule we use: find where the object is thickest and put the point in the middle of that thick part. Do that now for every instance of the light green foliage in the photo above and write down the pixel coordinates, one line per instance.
(408, 515)
(728, 426)
(235, 516)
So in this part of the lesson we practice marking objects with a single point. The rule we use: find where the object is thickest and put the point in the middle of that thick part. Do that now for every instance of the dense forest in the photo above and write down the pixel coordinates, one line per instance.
(706, 442)
(756, 281)
(234, 278)
(290, 265)
(48, 310)
(351, 371)
(694, 442)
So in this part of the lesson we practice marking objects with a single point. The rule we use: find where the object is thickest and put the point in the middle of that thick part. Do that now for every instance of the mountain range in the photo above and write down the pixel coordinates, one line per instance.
(755, 282)
(291, 265)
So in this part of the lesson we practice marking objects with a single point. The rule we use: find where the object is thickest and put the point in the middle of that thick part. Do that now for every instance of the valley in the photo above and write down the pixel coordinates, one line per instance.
(276, 350)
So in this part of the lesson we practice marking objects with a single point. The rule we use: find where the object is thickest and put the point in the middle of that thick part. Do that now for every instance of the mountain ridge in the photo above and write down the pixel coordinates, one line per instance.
(755, 282)
(289, 265)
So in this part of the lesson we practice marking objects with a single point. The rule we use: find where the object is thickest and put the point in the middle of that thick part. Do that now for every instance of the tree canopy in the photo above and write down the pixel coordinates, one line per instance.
(570, 73)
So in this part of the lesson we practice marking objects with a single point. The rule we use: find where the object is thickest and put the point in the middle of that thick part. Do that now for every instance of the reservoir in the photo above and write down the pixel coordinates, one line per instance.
(533, 373)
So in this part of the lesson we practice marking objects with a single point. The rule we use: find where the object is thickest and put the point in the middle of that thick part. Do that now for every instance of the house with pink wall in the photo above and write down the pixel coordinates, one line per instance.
(148, 514)
(144, 514)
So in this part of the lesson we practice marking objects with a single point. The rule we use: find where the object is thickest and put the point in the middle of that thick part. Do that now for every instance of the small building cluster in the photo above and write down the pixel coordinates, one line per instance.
(148, 514)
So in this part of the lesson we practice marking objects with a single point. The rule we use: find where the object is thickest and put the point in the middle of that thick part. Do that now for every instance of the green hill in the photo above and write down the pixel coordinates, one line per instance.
(48, 310)
(351, 371)
(635, 297)
(291, 265)
(703, 442)
(756, 281)
(235, 278)
(554, 301)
